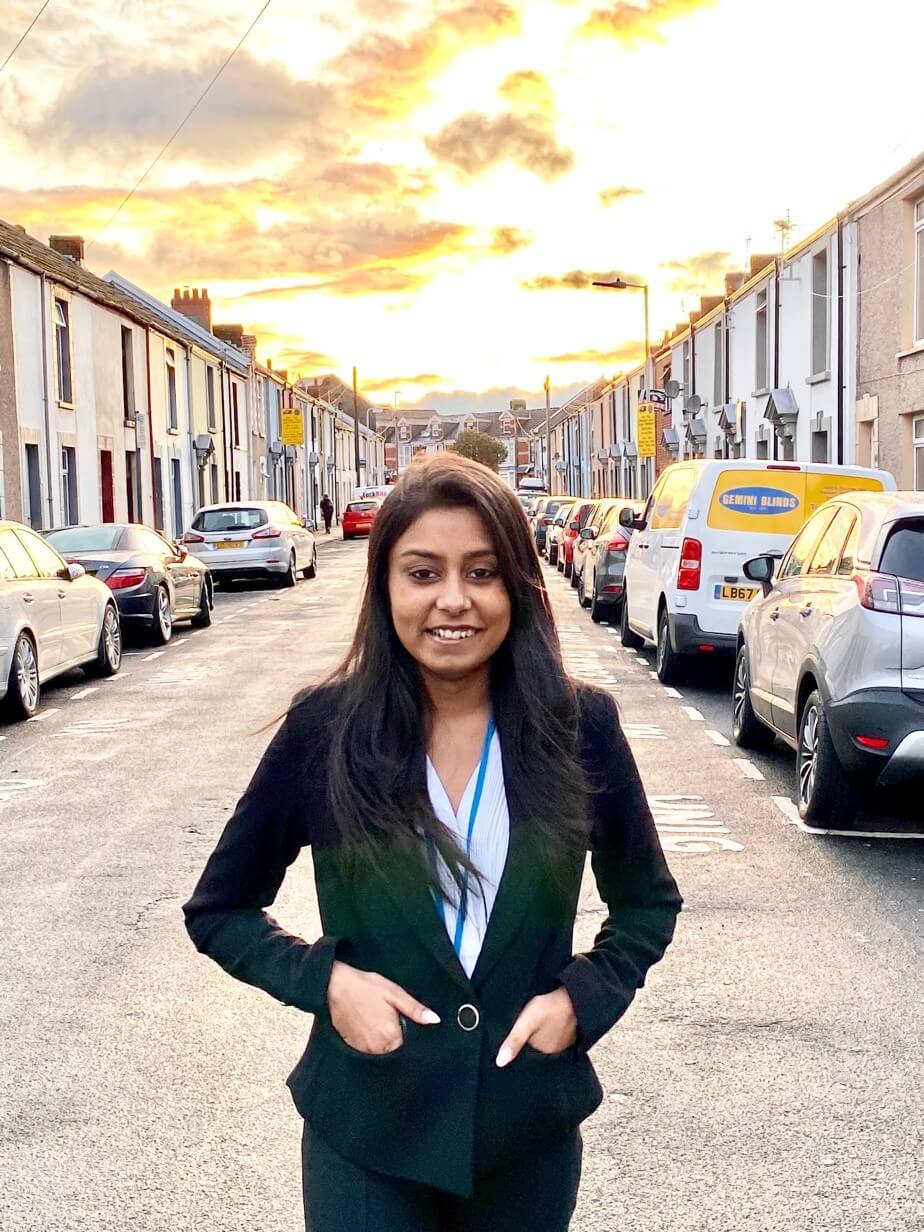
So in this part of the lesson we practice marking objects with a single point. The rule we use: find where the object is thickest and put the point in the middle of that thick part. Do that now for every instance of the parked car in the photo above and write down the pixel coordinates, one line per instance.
(155, 583)
(830, 656)
(553, 534)
(359, 516)
(53, 617)
(254, 539)
(594, 521)
(545, 516)
(580, 512)
(600, 586)
(528, 501)
(684, 584)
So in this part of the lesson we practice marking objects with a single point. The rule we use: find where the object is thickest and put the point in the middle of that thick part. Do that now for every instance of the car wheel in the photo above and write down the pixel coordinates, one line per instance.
(573, 577)
(747, 730)
(23, 688)
(346, 536)
(599, 611)
(311, 570)
(669, 664)
(203, 618)
(826, 796)
(553, 554)
(560, 563)
(162, 620)
(582, 592)
(290, 577)
(109, 650)
(626, 636)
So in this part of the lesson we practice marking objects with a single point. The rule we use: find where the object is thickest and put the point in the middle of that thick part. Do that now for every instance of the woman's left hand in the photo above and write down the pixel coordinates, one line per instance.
(547, 1023)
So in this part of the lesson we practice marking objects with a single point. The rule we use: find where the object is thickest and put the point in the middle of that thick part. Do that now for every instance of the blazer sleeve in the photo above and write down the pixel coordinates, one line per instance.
(226, 916)
(632, 878)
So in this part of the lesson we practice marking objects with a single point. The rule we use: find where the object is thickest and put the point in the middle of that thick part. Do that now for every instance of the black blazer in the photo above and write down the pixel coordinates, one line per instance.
(438, 1110)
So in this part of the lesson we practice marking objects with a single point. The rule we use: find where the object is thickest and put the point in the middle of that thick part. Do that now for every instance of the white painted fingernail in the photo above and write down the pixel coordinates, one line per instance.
(429, 1017)
(504, 1057)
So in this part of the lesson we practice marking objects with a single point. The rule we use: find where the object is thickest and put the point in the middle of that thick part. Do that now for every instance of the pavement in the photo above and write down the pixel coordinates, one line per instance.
(768, 1077)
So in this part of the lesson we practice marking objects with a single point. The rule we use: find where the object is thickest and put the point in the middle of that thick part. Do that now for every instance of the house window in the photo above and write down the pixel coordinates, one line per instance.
(69, 485)
(128, 376)
(235, 420)
(62, 318)
(919, 271)
(763, 451)
(172, 420)
(158, 481)
(760, 337)
(687, 361)
(133, 511)
(626, 415)
(718, 363)
(213, 482)
(176, 497)
(820, 447)
(210, 398)
(918, 431)
(820, 312)
(34, 483)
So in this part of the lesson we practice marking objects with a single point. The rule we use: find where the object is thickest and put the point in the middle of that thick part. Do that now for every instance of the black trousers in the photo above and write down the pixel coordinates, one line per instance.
(537, 1192)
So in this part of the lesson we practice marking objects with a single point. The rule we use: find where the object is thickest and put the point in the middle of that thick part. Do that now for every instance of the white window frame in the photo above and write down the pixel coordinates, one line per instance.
(821, 304)
(919, 270)
(172, 394)
(62, 304)
(718, 361)
(917, 449)
(762, 355)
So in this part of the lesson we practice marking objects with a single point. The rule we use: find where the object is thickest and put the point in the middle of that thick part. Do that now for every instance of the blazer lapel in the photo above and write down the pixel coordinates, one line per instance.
(519, 883)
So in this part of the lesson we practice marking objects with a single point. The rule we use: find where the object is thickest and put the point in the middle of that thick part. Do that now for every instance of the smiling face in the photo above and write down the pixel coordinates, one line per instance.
(449, 604)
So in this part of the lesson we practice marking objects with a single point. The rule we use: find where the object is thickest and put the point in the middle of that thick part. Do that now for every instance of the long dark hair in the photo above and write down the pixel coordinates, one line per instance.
(377, 792)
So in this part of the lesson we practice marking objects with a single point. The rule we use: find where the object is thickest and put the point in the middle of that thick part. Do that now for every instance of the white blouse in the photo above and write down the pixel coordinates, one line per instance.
(490, 840)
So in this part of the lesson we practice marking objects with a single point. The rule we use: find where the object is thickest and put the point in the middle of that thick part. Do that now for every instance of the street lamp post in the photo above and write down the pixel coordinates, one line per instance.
(548, 447)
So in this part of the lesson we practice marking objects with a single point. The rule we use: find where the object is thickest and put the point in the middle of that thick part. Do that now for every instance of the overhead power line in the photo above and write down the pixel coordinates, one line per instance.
(182, 124)
(24, 36)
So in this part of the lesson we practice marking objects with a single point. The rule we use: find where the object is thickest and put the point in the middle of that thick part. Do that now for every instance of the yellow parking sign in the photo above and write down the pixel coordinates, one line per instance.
(293, 426)
(646, 430)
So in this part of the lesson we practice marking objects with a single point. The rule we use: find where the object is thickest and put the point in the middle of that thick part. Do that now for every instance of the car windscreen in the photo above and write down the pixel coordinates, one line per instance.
(220, 520)
(904, 553)
(73, 539)
(361, 506)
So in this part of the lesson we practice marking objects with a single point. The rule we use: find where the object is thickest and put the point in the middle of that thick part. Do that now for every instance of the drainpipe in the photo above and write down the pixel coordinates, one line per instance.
(840, 340)
(776, 344)
(189, 432)
(147, 368)
(46, 401)
(224, 429)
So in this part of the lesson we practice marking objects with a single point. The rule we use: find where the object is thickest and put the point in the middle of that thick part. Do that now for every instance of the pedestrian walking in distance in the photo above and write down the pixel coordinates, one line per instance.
(449, 779)
(327, 512)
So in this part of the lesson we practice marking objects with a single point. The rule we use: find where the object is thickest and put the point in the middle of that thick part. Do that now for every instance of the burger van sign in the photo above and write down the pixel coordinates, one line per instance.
(762, 502)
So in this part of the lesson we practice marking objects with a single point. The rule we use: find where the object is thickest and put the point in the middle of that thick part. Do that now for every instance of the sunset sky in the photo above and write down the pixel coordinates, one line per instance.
(426, 190)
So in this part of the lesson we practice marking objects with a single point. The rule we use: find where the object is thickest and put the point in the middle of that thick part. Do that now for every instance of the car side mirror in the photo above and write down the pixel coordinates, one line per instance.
(628, 520)
(589, 532)
(761, 569)
(575, 526)
(73, 571)
(309, 524)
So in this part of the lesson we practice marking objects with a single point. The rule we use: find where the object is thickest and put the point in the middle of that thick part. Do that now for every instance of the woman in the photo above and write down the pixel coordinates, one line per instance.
(449, 781)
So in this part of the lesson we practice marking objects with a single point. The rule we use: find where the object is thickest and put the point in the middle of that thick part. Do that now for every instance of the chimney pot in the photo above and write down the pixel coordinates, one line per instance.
(70, 246)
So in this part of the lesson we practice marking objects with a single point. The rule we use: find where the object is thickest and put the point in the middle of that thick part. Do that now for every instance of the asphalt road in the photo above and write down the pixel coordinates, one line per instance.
(768, 1077)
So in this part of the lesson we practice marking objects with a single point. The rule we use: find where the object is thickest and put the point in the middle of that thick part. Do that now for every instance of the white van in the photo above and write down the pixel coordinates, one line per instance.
(684, 584)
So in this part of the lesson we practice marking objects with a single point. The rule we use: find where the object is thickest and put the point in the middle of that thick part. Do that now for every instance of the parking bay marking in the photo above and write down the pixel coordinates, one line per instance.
(46, 714)
(643, 731)
(12, 789)
(79, 696)
(791, 812)
(720, 741)
(96, 727)
(686, 824)
(748, 769)
(694, 715)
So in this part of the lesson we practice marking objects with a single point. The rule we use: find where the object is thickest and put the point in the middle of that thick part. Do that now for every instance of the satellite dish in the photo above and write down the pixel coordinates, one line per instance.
(692, 404)
(672, 389)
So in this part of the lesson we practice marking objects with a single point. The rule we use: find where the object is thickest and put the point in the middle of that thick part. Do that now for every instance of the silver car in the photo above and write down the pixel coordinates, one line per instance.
(53, 617)
(253, 539)
(831, 656)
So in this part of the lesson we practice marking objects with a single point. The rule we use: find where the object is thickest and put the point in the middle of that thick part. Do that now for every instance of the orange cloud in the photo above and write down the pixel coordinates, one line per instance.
(529, 91)
(637, 23)
(509, 239)
(475, 141)
(625, 353)
(699, 273)
(609, 196)
(575, 280)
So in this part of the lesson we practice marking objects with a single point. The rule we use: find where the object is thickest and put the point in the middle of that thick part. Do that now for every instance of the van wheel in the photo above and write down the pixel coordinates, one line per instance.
(747, 730)
(826, 796)
(626, 636)
(669, 663)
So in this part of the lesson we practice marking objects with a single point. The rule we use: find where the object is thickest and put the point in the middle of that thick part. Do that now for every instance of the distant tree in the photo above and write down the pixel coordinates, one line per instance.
(480, 448)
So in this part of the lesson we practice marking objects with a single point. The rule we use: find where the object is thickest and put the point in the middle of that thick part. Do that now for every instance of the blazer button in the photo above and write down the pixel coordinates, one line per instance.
(468, 1017)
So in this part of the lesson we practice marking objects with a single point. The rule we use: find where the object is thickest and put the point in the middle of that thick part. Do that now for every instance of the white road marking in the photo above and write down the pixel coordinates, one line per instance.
(46, 714)
(643, 731)
(791, 812)
(694, 715)
(718, 739)
(11, 788)
(78, 697)
(151, 657)
(687, 824)
(96, 727)
(653, 675)
(673, 692)
(748, 769)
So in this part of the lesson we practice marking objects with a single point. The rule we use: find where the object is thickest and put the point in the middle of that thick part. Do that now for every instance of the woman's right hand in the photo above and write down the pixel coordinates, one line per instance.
(366, 1009)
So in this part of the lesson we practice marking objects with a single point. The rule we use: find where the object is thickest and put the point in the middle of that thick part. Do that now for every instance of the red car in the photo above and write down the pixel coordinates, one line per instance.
(359, 516)
(579, 515)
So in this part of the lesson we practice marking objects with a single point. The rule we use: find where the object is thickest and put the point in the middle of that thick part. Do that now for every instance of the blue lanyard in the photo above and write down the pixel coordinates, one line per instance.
(476, 803)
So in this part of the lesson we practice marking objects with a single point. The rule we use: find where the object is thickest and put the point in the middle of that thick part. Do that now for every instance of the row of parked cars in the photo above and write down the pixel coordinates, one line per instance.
(810, 577)
(67, 594)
